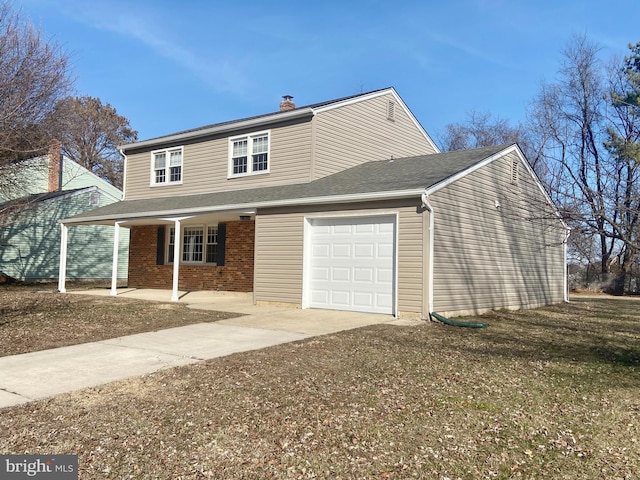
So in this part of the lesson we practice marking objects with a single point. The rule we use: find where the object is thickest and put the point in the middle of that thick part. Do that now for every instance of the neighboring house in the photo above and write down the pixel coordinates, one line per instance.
(345, 204)
(30, 239)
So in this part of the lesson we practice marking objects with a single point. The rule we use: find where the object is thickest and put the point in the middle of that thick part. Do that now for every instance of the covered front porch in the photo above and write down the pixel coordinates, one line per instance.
(215, 251)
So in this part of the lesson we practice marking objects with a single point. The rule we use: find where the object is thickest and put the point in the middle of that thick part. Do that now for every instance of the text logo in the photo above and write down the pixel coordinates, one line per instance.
(50, 467)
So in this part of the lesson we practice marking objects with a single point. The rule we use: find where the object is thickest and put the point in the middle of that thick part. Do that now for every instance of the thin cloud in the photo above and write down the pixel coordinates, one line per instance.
(467, 49)
(147, 28)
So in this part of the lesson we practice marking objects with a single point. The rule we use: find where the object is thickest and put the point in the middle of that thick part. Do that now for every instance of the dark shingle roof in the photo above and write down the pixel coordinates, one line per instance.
(395, 175)
(39, 197)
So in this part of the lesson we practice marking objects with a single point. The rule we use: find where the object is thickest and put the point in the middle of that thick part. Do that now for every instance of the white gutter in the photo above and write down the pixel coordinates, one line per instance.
(124, 171)
(220, 128)
(347, 198)
(429, 207)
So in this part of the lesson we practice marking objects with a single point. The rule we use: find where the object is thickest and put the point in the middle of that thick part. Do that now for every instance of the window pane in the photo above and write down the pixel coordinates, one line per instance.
(172, 237)
(261, 144)
(175, 158)
(192, 245)
(240, 148)
(161, 175)
(176, 174)
(240, 165)
(159, 160)
(212, 244)
(260, 162)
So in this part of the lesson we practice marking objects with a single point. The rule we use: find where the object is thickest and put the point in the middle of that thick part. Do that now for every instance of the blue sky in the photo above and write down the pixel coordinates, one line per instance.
(174, 65)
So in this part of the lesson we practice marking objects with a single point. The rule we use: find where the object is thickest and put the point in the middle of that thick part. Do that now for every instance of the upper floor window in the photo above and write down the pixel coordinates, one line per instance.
(166, 166)
(249, 154)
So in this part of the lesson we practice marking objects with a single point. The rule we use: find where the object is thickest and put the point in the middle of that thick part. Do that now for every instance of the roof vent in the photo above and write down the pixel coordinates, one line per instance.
(287, 104)
(391, 110)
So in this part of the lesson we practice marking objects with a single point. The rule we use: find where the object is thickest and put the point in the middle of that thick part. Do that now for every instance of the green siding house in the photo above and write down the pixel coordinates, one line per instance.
(30, 236)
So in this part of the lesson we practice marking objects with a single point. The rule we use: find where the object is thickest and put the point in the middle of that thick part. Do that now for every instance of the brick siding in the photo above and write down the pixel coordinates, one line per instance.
(235, 276)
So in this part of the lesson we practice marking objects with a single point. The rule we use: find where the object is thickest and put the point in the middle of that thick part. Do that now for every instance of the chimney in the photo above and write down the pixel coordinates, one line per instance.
(286, 104)
(55, 166)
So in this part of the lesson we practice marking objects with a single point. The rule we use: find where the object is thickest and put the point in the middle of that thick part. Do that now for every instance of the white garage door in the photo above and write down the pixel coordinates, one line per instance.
(352, 264)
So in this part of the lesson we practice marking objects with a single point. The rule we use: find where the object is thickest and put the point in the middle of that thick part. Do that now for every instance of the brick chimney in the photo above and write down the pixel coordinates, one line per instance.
(55, 166)
(286, 104)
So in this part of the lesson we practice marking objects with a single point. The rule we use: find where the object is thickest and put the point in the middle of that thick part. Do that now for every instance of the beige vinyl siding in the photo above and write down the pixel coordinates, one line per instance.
(205, 164)
(278, 258)
(487, 257)
(360, 132)
(280, 244)
(410, 252)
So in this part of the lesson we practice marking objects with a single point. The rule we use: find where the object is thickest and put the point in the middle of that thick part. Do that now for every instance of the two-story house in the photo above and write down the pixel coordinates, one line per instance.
(345, 204)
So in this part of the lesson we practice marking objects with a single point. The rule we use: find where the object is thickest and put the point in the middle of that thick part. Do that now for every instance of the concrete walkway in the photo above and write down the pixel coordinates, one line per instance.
(42, 374)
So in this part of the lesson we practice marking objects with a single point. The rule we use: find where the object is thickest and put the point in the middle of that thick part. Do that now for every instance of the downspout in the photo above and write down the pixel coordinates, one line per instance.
(431, 313)
(62, 274)
(60, 168)
(114, 264)
(429, 253)
(124, 171)
(177, 257)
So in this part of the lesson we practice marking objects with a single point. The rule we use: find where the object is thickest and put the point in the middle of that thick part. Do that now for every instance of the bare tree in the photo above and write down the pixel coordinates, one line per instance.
(623, 144)
(480, 129)
(33, 78)
(587, 130)
(90, 133)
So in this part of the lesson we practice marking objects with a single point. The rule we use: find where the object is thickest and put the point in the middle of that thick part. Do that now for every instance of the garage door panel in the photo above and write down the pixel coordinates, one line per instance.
(364, 250)
(321, 229)
(353, 263)
(320, 274)
(387, 227)
(321, 250)
(320, 296)
(363, 299)
(384, 250)
(365, 228)
(342, 229)
(341, 250)
(384, 275)
(340, 298)
(363, 275)
(384, 301)
(341, 274)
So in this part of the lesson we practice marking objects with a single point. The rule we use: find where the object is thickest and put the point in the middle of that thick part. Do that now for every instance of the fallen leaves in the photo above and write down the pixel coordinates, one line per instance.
(32, 319)
(525, 399)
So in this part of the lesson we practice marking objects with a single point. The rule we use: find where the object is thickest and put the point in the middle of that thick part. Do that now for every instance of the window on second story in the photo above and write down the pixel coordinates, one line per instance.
(166, 166)
(249, 154)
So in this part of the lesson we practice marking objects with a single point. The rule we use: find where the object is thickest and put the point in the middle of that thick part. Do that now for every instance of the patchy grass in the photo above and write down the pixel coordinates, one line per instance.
(549, 393)
(35, 319)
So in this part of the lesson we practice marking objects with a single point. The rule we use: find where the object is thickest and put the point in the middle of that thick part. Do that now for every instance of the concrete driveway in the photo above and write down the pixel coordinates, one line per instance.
(37, 375)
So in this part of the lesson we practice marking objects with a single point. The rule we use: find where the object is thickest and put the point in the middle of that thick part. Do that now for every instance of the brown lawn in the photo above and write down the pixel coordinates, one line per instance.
(546, 393)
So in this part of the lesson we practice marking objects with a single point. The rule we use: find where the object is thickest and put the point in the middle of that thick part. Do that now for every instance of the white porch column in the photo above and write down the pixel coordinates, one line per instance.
(177, 256)
(62, 273)
(114, 267)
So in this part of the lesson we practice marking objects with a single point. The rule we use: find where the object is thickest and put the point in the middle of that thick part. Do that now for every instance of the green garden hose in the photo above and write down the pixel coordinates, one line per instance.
(457, 323)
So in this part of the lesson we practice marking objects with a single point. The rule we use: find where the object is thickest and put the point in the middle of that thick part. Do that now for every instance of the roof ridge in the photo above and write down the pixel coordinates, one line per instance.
(265, 115)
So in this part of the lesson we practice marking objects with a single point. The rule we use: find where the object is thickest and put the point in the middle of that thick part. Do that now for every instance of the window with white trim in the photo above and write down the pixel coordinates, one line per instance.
(166, 166)
(196, 248)
(249, 154)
